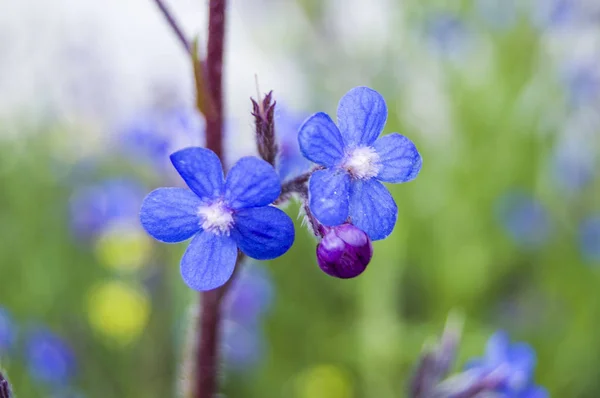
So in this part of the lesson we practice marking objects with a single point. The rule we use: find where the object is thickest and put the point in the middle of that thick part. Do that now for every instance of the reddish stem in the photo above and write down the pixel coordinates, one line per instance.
(214, 72)
(207, 356)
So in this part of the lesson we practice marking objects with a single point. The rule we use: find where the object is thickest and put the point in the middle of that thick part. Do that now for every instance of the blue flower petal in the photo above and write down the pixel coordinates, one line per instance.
(170, 214)
(208, 261)
(263, 233)
(361, 115)
(496, 349)
(399, 159)
(251, 182)
(535, 392)
(329, 191)
(372, 208)
(521, 356)
(320, 140)
(201, 170)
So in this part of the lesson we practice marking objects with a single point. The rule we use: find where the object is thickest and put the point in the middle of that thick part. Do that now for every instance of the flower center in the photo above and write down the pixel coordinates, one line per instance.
(362, 162)
(216, 218)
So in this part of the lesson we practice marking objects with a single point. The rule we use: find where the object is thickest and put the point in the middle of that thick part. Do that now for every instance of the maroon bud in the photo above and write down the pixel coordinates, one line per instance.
(344, 251)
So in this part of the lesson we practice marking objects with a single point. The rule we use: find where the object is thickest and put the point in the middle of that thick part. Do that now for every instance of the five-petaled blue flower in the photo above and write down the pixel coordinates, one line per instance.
(222, 215)
(512, 364)
(355, 162)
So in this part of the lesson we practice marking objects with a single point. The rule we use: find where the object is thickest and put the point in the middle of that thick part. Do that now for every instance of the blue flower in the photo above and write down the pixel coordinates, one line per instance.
(242, 345)
(7, 332)
(524, 219)
(573, 167)
(291, 163)
(447, 34)
(247, 302)
(93, 208)
(355, 162)
(554, 13)
(589, 238)
(155, 134)
(220, 214)
(49, 358)
(582, 81)
(250, 295)
(512, 365)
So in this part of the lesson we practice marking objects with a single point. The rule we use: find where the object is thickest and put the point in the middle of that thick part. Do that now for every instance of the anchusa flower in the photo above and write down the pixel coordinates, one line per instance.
(220, 214)
(245, 306)
(582, 81)
(153, 135)
(573, 167)
(7, 332)
(506, 370)
(510, 365)
(447, 34)
(355, 162)
(589, 238)
(524, 218)
(344, 252)
(50, 359)
(251, 294)
(94, 208)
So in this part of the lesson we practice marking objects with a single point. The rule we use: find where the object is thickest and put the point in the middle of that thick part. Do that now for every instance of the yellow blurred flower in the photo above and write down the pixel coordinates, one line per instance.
(118, 311)
(324, 381)
(124, 248)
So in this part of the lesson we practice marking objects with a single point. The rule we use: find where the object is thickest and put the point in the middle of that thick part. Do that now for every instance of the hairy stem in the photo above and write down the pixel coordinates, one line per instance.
(174, 25)
(207, 355)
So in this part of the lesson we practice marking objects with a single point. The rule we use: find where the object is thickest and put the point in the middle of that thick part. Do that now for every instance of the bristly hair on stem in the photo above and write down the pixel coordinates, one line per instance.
(264, 121)
(209, 322)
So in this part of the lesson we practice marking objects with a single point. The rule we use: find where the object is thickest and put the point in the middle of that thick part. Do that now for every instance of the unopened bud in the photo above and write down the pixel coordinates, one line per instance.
(344, 251)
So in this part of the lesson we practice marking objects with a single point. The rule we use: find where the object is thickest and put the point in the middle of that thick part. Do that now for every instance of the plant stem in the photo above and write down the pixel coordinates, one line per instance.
(214, 72)
(207, 356)
(174, 25)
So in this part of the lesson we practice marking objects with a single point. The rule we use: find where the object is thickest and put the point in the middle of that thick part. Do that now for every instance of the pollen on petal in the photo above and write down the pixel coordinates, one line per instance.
(216, 218)
(362, 162)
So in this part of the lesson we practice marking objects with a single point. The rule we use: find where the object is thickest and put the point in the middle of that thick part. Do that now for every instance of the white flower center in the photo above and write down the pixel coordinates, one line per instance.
(362, 162)
(216, 218)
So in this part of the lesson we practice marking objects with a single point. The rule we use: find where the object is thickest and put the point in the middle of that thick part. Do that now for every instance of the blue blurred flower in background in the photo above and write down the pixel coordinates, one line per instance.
(7, 332)
(447, 34)
(153, 135)
(582, 81)
(291, 163)
(245, 306)
(512, 366)
(589, 238)
(93, 208)
(251, 294)
(548, 14)
(356, 161)
(523, 218)
(49, 358)
(573, 168)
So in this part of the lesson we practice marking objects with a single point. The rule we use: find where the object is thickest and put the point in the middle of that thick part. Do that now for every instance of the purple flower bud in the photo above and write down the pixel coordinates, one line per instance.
(344, 251)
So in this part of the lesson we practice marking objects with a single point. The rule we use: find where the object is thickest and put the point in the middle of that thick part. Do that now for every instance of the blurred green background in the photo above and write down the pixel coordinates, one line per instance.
(502, 98)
